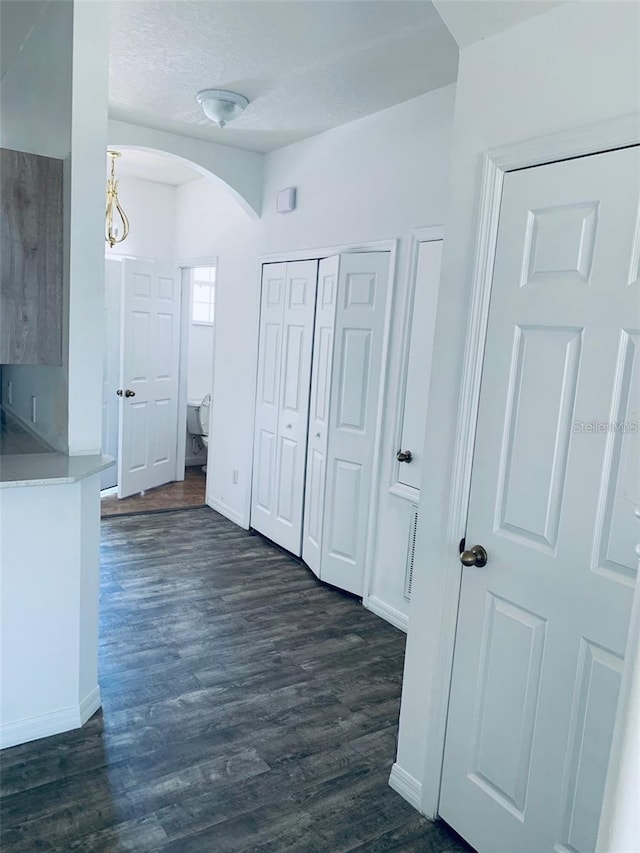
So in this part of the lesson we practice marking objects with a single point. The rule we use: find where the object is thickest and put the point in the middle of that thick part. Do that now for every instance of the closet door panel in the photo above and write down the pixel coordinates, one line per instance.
(293, 415)
(356, 383)
(319, 412)
(264, 493)
(425, 299)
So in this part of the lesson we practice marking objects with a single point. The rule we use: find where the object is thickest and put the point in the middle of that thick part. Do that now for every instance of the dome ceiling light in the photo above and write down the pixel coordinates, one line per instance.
(221, 106)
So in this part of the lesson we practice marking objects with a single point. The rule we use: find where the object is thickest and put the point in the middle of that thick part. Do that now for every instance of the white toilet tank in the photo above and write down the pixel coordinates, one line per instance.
(193, 417)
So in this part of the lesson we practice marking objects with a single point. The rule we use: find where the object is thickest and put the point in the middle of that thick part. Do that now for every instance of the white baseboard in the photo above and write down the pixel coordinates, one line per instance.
(52, 723)
(192, 461)
(229, 513)
(380, 608)
(90, 705)
(406, 785)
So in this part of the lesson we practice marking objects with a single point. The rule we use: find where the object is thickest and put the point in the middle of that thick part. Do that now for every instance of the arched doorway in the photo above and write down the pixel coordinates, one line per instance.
(167, 199)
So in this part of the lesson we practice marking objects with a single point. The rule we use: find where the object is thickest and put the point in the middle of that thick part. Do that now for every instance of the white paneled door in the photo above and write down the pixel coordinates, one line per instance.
(111, 368)
(282, 402)
(542, 626)
(356, 389)
(423, 318)
(319, 412)
(150, 357)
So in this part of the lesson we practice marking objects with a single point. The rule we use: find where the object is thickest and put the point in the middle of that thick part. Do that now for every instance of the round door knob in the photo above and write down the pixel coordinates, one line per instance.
(477, 556)
(129, 393)
(404, 456)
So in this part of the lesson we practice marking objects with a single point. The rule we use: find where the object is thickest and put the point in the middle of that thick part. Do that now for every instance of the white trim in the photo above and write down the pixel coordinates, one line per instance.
(585, 140)
(121, 258)
(376, 473)
(89, 705)
(418, 235)
(406, 785)
(183, 372)
(407, 493)
(390, 614)
(192, 263)
(51, 723)
(312, 254)
(228, 512)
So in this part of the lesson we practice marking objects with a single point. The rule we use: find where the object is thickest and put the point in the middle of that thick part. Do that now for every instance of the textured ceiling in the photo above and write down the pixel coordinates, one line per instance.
(473, 20)
(305, 65)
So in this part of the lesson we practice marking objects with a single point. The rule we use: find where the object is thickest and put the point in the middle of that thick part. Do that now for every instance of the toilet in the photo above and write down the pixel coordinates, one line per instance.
(198, 418)
(203, 418)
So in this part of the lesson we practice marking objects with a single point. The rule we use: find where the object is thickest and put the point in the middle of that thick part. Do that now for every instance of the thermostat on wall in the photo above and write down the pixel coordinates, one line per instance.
(286, 200)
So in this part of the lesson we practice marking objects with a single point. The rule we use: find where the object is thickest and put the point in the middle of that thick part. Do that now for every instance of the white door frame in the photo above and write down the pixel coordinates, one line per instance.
(185, 265)
(418, 236)
(182, 369)
(390, 246)
(589, 139)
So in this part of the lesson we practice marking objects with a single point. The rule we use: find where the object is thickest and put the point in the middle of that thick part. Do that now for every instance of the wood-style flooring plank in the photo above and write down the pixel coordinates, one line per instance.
(246, 707)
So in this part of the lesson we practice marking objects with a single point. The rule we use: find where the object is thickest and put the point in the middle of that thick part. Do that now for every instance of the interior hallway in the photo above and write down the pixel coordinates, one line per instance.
(246, 707)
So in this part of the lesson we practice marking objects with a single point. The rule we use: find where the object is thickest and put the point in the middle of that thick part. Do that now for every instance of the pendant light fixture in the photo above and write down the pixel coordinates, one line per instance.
(221, 106)
(112, 234)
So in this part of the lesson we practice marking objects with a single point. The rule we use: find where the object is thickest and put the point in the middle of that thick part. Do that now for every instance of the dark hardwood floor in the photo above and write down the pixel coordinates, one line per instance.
(246, 707)
(179, 494)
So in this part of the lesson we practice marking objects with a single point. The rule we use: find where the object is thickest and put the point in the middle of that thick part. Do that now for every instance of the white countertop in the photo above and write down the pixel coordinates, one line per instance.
(44, 469)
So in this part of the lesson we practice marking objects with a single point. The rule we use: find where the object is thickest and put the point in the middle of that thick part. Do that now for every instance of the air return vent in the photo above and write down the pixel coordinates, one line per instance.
(411, 551)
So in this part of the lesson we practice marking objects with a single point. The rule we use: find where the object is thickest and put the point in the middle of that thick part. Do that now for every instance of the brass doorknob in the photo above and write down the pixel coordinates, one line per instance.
(404, 456)
(477, 556)
(129, 393)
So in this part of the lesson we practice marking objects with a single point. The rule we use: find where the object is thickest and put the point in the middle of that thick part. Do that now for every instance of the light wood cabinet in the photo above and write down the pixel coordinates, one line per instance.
(31, 259)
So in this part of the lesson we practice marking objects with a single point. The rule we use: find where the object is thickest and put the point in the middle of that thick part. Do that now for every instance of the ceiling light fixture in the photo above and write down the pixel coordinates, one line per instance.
(111, 232)
(221, 106)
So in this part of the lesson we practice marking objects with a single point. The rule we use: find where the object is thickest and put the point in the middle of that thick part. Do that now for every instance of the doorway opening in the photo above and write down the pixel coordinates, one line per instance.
(159, 323)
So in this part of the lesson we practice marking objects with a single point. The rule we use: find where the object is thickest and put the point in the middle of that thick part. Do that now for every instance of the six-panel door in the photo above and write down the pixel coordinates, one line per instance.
(355, 396)
(542, 627)
(282, 403)
(149, 363)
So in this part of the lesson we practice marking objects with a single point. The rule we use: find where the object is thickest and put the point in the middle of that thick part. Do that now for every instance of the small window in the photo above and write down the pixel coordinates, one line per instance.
(203, 282)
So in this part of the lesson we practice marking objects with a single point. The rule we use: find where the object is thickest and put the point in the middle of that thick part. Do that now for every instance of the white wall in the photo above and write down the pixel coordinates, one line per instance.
(376, 178)
(151, 210)
(211, 223)
(508, 90)
(237, 171)
(371, 179)
(86, 241)
(35, 91)
(199, 361)
(49, 608)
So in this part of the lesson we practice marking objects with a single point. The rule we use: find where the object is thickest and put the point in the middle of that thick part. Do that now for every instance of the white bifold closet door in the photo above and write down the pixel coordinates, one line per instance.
(282, 401)
(346, 390)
